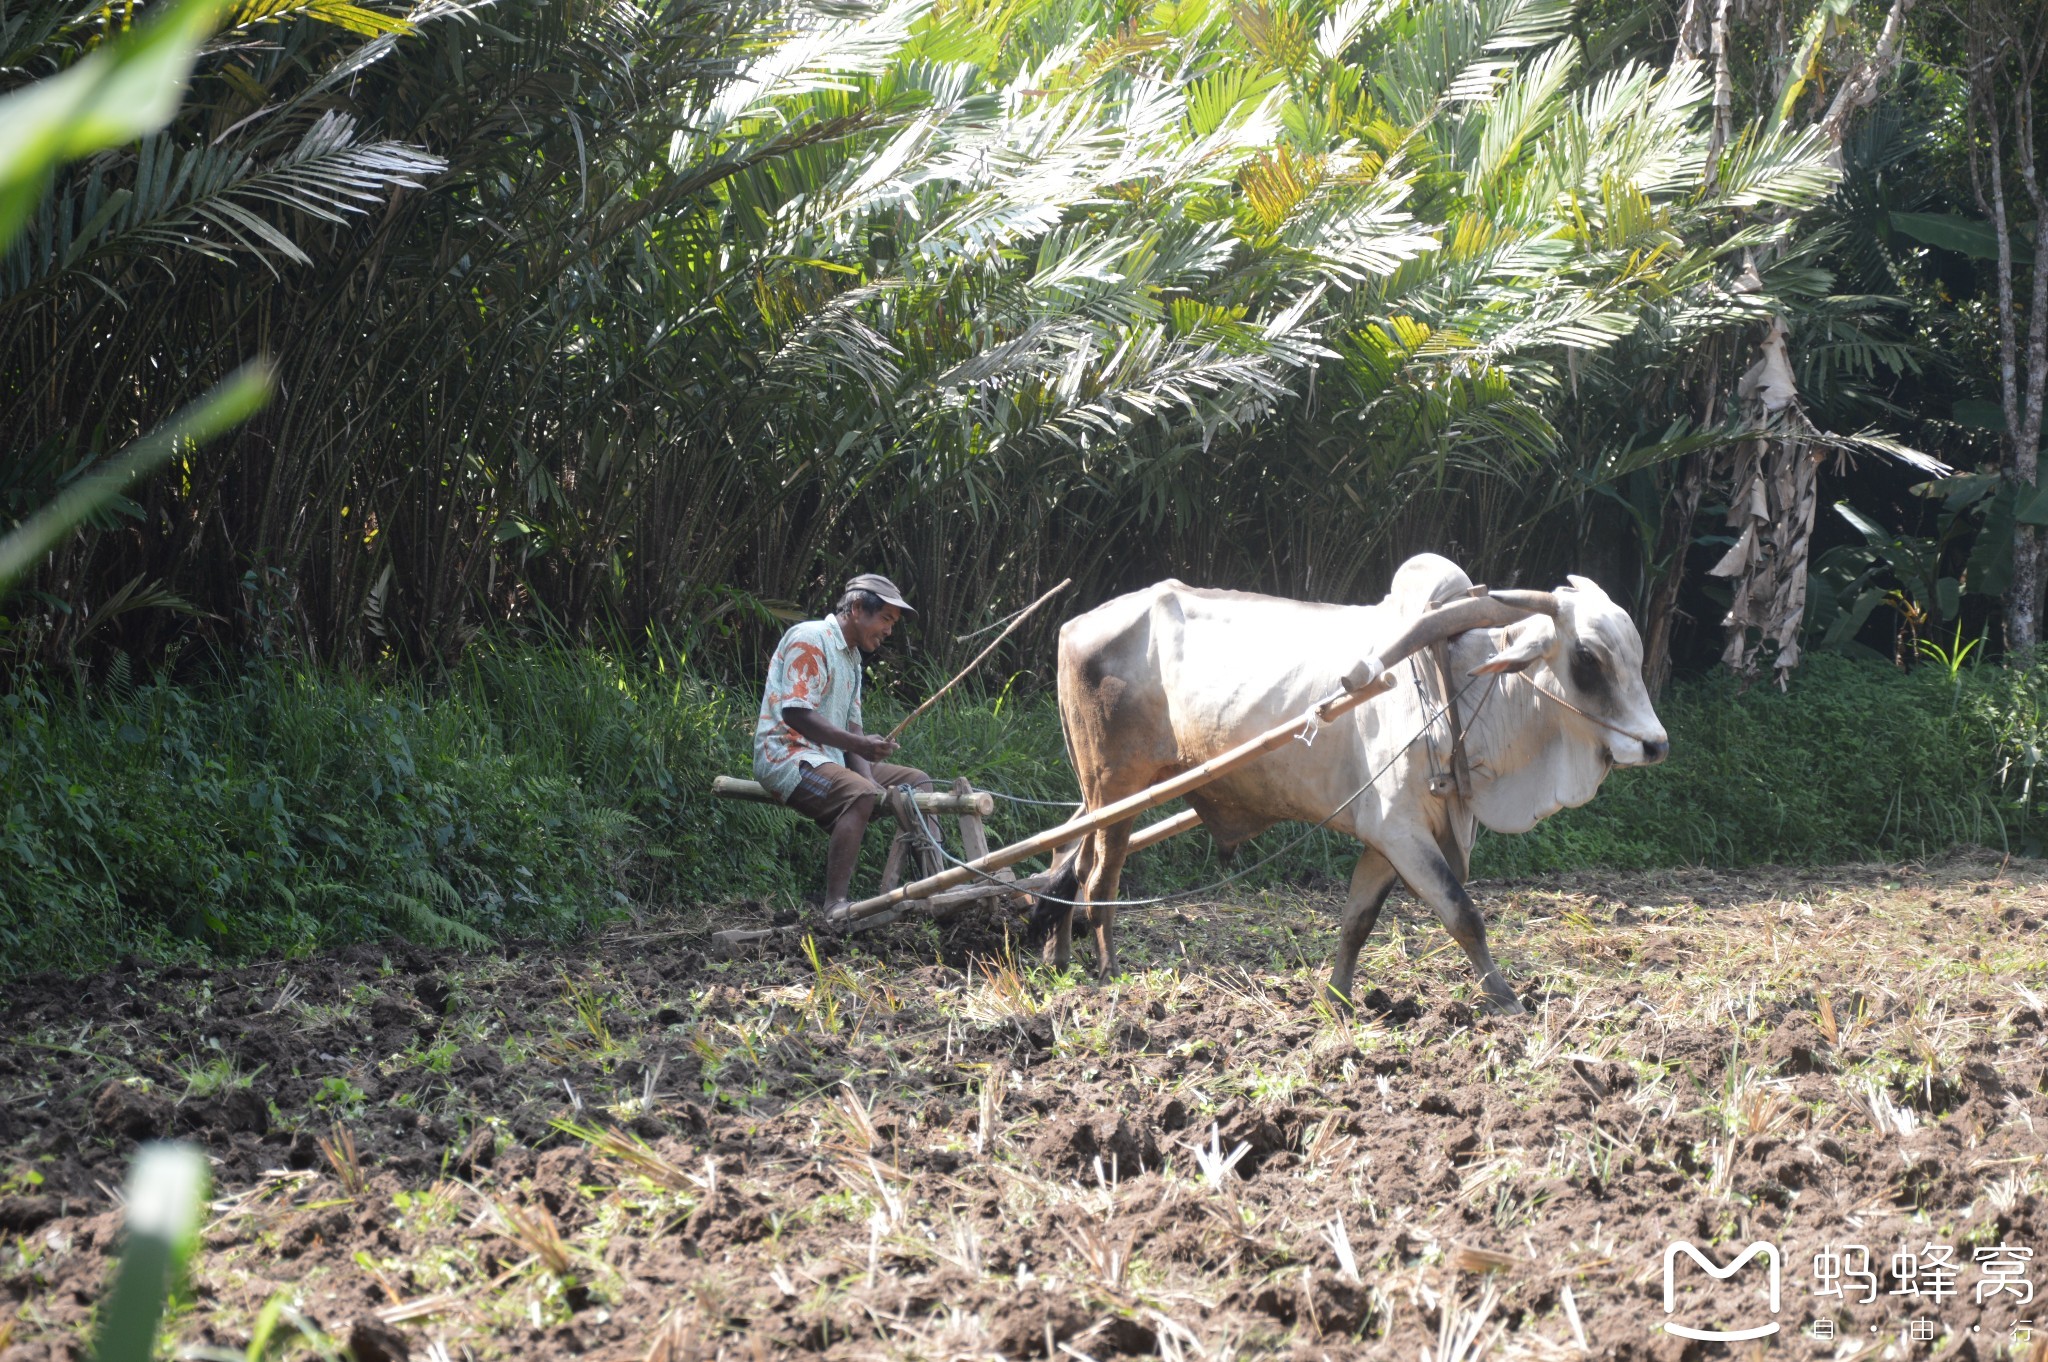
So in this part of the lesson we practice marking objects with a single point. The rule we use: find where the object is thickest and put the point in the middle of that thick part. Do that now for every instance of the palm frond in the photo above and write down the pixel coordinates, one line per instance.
(210, 201)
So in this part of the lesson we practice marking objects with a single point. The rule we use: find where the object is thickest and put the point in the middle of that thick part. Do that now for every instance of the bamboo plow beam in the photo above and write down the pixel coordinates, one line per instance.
(1152, 834)
(1131, 805)
(945, 903)
(979, 658)
(976, 803)
(1184, 821)
(1362, 683)
(949, 904)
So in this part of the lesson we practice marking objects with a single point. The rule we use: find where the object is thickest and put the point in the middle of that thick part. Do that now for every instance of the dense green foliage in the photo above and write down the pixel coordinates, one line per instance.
(543, 792)
(632, 316)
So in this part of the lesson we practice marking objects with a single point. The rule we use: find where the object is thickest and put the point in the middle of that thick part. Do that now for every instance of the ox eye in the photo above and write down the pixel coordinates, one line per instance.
(1587, 673)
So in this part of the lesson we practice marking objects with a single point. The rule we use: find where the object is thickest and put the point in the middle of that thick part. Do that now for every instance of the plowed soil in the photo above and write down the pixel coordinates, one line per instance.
(908, 1144)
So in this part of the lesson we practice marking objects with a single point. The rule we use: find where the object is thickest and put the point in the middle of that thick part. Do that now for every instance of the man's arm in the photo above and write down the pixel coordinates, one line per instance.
(860, 748)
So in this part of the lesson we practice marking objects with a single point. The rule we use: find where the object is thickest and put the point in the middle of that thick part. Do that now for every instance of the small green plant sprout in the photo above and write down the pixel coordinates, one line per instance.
(211, 1077)
(821, 1007)
(21, 1179)
(339, 1149)
(166, 1195)
(339, 1094)
(588, 1005)
(266, 1340)
(1951, 658)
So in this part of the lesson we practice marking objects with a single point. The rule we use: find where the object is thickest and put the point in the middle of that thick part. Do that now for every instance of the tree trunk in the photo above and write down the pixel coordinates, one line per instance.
(2006, 60)
(1775, 493)
(1774, 474)
(1674, 538)
(1674, 534)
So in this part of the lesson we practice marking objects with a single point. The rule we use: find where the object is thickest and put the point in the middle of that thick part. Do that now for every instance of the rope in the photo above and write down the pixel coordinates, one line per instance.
(1590, 718)
(1234, 875)
(1041, 803)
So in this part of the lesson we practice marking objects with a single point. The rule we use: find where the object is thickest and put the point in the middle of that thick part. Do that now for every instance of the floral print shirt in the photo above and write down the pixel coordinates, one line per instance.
(814, 668)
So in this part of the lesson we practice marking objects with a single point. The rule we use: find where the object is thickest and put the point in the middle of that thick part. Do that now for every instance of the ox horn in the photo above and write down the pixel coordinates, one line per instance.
(1489, 611)
(1535, 602)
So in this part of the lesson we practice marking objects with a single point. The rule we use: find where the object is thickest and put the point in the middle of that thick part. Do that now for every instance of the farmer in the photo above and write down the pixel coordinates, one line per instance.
(809, 750)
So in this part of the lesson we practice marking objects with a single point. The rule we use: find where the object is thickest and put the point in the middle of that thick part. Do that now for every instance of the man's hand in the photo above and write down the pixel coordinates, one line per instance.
(852, 741)
(871, 746)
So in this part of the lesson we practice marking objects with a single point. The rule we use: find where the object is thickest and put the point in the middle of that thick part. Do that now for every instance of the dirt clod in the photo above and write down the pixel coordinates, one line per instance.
(434, 994)
(129, 1113)
(22, 1214)
(372, 1340)
(479, 1151)
(1377, 1003)
(1798, 1047)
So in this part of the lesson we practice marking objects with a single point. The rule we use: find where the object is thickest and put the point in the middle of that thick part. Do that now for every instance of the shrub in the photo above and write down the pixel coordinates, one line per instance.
(545, 791)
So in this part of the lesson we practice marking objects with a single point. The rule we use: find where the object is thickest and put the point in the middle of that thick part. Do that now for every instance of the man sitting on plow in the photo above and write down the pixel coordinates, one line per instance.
(809, 750)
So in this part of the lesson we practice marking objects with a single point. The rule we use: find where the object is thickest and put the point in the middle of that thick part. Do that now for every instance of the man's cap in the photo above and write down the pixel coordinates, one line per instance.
(883, 587)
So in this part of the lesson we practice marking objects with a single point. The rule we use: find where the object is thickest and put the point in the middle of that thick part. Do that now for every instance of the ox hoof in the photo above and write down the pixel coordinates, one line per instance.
(1498, 1000)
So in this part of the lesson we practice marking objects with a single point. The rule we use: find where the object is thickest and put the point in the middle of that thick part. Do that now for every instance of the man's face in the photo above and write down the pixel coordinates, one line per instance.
(868, 631)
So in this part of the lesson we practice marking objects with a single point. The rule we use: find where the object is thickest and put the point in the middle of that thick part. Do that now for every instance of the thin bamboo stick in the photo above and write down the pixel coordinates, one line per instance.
(933, 698)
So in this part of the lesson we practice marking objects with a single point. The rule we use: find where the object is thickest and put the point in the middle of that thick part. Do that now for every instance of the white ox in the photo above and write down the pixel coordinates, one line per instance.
(1154, 682)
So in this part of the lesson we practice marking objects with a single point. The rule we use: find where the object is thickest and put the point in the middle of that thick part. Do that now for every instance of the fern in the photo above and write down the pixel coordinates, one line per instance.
(426, 910)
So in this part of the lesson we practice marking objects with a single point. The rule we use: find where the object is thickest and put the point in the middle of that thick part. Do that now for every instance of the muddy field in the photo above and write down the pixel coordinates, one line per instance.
(912, 1147)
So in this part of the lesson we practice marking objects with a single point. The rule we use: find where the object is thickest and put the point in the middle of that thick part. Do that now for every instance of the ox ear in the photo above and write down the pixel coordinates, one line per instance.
(1531, 648)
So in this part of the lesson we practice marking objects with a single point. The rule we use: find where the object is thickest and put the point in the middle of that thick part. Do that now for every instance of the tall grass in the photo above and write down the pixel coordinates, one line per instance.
(1856, 760)
(545, 791)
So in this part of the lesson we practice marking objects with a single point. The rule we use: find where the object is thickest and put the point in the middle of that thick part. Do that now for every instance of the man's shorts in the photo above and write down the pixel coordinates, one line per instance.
(828, 789)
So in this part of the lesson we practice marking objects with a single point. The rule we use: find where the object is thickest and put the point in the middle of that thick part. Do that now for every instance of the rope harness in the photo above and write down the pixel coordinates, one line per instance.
(1590, 718)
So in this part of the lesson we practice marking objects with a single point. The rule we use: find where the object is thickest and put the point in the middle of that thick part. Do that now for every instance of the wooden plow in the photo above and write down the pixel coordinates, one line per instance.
(987, 875)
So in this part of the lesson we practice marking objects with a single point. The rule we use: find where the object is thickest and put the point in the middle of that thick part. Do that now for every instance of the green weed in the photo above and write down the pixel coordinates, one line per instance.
(338, 1094)
(206, 1078)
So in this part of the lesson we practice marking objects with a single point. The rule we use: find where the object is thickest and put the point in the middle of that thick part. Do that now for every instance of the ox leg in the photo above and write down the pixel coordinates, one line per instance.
(1100, 889)
(1058, 951)
(1371, 881)
(1422, 865)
